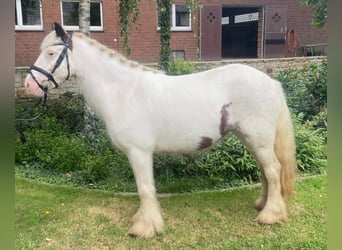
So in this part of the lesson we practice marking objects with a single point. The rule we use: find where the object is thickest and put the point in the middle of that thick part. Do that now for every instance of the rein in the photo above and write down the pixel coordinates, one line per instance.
(67, 44)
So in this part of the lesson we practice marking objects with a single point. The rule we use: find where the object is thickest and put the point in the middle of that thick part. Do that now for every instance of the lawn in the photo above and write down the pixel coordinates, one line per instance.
(57, 217)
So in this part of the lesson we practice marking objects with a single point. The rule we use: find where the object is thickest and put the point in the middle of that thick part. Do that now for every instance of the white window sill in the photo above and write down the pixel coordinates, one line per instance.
(29, 28)
(76, 28)
(181, 29)
(178, 29)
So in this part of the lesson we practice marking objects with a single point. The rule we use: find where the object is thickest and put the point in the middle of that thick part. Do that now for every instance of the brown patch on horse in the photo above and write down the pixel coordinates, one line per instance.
(205, 142)
(224, 127)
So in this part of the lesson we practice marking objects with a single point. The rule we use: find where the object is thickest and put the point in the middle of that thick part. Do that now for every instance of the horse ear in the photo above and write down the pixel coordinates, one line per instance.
(60, 31)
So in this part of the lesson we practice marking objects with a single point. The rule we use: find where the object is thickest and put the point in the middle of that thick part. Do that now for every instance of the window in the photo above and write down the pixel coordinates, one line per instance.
(70, 15)
(249, 17)
(225, 20)
(181, 14)
(180, 18)
(28, 15)
(178, 54)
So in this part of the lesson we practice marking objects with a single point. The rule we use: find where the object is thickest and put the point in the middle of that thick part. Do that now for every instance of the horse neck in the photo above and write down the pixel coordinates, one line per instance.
(97, 65)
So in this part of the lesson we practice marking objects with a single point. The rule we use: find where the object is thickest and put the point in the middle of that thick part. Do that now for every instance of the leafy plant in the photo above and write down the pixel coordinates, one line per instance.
(311, 146)
(319, 9)
(180, 67)
(306, 88)
(67, 110)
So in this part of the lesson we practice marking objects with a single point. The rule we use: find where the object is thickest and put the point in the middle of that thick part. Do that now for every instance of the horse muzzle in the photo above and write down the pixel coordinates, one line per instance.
(32, 88)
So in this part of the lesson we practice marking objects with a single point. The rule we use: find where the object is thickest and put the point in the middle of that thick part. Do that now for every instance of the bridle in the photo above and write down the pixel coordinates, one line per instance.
(64, 54)
(67, 43)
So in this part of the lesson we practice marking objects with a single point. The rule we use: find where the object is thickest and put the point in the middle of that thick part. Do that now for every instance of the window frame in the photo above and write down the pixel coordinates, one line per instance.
(174, 27)
(76, 27)
(20, 25)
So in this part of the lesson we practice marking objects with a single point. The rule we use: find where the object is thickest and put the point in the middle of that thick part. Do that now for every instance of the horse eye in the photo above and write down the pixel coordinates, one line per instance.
(51, 53)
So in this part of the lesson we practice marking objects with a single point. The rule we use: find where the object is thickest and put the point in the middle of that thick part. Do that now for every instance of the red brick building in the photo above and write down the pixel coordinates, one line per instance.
(216, 30)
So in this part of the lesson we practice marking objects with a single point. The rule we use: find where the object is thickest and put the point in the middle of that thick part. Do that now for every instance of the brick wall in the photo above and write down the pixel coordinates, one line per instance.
(268, 66)
(144, 39)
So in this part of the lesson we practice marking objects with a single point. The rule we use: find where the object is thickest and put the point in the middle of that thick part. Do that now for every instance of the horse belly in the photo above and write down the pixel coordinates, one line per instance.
(189, 132)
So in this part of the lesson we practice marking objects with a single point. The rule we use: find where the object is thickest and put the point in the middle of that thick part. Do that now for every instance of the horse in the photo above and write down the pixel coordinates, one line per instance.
(147, 111)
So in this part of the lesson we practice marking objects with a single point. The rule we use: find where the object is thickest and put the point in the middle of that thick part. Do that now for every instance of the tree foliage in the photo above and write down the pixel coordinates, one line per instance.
(319, 8)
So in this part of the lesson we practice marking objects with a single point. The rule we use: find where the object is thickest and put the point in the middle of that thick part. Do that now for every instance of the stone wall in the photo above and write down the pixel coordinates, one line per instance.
(20, 74)
(268, 66)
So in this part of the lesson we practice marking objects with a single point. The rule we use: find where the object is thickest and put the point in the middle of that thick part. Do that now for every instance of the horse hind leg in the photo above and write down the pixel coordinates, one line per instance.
(271, 204)
(261, 201)
(147, 222)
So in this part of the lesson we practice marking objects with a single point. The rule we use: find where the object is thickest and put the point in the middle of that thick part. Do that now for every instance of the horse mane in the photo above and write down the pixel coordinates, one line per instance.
(52, 38)
(114, 54)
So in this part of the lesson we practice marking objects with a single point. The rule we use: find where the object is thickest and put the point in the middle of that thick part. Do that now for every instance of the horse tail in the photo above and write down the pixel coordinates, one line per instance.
(285, 148)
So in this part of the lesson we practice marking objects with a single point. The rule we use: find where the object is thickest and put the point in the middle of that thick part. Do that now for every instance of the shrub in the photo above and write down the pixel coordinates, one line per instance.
(306, 88)
(311, 146)
(229, 161)
(180, 67)
(51, 146)
(68, 110)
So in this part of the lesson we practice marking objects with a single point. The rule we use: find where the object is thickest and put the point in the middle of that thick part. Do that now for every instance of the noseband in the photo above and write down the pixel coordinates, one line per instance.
(60, 59)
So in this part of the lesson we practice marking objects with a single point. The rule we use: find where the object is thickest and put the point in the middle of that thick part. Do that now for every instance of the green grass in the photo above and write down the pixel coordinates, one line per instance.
(57, 217)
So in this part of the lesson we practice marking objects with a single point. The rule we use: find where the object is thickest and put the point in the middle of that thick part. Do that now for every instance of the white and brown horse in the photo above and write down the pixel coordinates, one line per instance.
(145, 111)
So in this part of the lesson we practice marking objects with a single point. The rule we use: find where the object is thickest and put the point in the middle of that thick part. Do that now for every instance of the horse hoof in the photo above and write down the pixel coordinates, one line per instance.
(270, 218)
(146, 227)
(141, 230)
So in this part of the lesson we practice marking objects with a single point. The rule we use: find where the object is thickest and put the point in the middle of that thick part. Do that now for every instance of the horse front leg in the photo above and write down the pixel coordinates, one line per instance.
(147, 222)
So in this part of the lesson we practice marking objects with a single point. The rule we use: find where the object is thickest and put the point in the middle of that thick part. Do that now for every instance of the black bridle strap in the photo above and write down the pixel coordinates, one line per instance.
(44, 72)
(60, 59)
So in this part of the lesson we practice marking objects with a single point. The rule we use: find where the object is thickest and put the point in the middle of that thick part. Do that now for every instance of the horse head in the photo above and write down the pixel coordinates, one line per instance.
(53, 64)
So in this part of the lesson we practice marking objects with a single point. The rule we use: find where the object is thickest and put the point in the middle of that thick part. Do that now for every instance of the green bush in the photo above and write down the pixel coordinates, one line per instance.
(306, 88)
(180, 67)
(311, 145)
(67, 110)
(229, 161)
(51, 146)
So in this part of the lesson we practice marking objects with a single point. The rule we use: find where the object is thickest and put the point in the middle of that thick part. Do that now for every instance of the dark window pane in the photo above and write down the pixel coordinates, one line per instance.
(16, 18)
(30, 12)
(182, 15)
(70, 13)
(95, 14)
